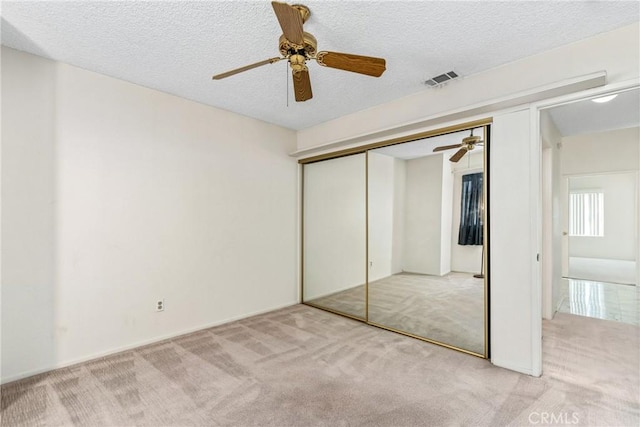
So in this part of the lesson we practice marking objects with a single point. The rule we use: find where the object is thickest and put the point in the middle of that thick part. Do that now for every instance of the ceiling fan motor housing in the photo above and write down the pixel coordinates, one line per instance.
(470, 141)
(308, 48)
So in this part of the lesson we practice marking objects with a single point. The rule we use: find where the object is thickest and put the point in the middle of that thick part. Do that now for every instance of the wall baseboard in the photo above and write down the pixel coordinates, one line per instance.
(337, 291)
(66, 364)
(528, 370)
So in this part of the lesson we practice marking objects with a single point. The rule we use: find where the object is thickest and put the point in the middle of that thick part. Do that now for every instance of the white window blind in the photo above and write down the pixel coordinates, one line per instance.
(586, 214)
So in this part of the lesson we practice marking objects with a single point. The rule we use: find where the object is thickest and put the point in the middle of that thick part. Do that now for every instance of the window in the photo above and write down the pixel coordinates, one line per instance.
(471, 227)
(586, 213)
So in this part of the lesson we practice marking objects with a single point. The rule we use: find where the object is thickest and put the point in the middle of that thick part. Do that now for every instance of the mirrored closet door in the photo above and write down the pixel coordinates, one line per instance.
(334, 235)
(395, 235)
(426, 235)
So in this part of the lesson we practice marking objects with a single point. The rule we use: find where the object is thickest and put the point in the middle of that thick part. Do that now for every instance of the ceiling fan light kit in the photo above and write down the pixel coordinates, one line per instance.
(298, 47)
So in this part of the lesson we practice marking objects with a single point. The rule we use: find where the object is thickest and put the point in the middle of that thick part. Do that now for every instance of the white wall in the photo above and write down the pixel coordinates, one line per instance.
(464, 258)
(619, 239)
(114, 196)
(381, 185)
(423, 216)
(552, 215)
(557, 238)
(399, 196)
(334, 225)
(611, 151)
(446, 216)
(28, 214)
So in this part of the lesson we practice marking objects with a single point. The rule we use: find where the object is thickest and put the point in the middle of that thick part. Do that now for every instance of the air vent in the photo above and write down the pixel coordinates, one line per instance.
(441, 79)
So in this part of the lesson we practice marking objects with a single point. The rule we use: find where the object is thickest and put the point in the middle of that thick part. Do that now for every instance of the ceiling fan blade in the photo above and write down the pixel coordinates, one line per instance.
(459, 154)
(290, 21)
(302, 85)
(358, 64)
(446, 147)
(245, 68)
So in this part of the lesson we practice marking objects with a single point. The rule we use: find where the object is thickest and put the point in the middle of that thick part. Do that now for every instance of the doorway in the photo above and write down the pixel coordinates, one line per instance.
(590, 163)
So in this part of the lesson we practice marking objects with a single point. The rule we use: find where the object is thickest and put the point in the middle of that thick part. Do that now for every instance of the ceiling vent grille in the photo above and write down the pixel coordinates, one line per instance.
(441, 79)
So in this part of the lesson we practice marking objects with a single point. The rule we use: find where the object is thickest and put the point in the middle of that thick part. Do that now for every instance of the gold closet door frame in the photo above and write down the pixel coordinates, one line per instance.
(486, 125)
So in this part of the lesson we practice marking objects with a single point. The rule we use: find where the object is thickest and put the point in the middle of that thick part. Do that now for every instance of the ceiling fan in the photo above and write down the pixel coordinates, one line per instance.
(298, 46)
(468, 143)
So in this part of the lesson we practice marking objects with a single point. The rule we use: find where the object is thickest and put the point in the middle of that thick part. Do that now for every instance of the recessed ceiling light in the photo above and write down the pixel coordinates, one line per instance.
(603, 99)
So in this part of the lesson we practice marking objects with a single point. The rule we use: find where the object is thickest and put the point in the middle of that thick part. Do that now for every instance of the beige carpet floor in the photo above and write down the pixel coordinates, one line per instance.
(350, 301)
(301, 366)
(447, 309)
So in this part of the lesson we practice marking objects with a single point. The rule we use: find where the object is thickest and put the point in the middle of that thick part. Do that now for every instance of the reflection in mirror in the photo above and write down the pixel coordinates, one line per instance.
(334, 239)
(426, 240)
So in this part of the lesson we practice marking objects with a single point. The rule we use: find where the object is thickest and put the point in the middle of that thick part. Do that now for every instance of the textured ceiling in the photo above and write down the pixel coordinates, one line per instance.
(177, 46)
(586, 116)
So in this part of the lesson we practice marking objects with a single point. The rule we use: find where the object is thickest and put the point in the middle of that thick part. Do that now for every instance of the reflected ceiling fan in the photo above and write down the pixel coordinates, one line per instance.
(298, 46)
(467, 144)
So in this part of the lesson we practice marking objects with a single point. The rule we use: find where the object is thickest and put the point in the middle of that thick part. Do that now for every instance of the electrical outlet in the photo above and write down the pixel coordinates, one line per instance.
(160, 305)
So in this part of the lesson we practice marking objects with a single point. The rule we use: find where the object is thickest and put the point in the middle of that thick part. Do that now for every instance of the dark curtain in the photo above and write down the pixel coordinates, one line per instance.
(471, 210)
